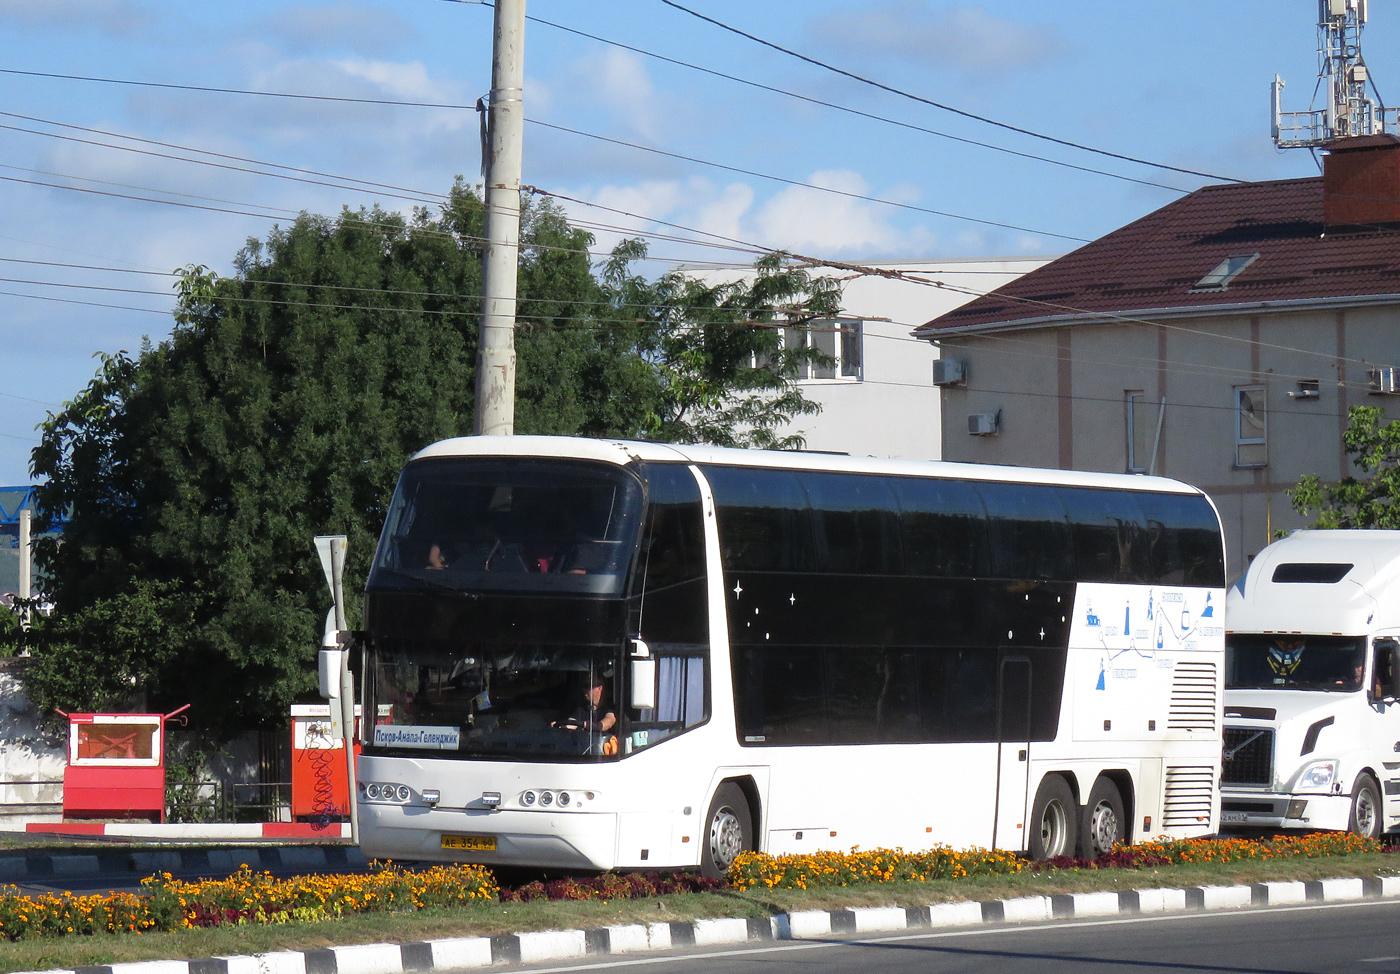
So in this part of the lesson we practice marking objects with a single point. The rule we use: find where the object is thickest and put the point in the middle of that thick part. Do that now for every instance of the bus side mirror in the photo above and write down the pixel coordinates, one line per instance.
(330, 660)
(642, 676)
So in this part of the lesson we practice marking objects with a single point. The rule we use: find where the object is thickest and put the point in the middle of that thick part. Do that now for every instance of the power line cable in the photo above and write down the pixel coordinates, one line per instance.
(939, 105)
(796, 182)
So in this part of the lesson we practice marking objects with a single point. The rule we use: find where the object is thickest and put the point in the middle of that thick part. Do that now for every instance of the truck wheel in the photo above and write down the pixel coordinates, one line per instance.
(1366, 807)
(1104, 824)
(728, 831)
(1052, 819)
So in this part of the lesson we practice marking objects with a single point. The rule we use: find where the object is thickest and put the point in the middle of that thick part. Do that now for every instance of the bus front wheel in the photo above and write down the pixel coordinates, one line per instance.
(728, 831)
(1104, 822)
(1052, 819)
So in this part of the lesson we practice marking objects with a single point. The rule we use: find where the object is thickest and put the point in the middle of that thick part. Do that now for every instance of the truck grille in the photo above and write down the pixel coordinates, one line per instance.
(1187, 799)
(1193, 697)
(1249, 756)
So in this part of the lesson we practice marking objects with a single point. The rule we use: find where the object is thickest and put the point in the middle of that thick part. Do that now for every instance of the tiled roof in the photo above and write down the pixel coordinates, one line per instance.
(1152, 263)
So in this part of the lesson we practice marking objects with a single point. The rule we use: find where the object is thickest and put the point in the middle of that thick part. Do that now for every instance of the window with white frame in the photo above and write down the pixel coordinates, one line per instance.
(840, 340)
(1251, 426)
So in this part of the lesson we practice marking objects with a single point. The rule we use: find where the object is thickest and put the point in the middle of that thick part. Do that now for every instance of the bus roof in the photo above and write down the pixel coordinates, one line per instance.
(1302, 584)
(625, 451)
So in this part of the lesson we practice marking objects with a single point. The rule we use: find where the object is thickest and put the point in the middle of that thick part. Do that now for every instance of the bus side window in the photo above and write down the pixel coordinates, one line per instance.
(1187, 552)
(943, 526)
(1029, 530)
(671, 579)
(1111, 539)
(764, 521)
(857, 526)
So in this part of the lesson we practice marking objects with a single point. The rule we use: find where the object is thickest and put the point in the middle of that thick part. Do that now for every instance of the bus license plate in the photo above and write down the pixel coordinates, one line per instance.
(474, 843)
(1234, 816)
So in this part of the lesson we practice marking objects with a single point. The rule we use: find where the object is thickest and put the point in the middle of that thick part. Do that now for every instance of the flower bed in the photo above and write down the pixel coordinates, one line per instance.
(861, 866)
(244, 897)
(613, 886)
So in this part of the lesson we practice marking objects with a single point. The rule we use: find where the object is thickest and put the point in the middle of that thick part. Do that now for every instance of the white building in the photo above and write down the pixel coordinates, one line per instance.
(878, 399)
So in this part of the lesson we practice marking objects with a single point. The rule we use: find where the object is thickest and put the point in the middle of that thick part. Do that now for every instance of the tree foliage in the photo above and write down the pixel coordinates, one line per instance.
(1368, 501)
(287, 398)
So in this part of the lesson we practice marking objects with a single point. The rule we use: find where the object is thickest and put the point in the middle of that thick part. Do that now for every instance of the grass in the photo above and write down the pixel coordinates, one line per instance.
(490, 919)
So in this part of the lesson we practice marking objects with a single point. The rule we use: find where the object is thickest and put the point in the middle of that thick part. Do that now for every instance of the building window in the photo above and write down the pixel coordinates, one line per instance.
(1251, 426)
(841, 341)
(1225, 272)
(1141, 429)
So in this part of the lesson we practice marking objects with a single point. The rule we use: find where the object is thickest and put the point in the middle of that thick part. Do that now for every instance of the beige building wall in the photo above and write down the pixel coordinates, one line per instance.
(1062, 395)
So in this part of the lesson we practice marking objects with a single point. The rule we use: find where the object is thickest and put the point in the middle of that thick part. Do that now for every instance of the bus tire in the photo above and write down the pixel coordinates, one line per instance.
(1104, 824)
(728, 831)
(1053, 815)
(1366, 809)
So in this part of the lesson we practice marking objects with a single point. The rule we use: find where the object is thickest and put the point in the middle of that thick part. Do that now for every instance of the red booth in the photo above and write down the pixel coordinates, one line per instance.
(116, 766)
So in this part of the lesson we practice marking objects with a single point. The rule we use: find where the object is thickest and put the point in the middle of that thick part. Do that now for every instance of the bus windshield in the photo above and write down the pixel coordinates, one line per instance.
(1292, 662)
(506, 525)
(486, 700)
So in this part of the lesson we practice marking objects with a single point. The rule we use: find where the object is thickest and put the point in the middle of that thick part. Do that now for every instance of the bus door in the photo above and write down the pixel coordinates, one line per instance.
(1013, 751)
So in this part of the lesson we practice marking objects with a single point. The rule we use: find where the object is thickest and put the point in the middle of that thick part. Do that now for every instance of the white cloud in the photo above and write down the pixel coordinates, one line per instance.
(967, 38)
(618, 83)
(796, 218)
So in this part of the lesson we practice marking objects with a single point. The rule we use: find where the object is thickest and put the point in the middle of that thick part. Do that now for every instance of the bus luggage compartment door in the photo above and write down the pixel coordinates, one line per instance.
(1013, 751)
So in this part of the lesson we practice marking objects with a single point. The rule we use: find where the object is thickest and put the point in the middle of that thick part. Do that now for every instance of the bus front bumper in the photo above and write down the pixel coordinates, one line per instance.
(576, 840)
(1251, 810)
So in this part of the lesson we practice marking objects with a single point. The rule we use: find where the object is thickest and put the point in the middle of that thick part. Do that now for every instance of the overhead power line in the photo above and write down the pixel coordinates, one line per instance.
(872, 116)
(797, 182)
(940, 105)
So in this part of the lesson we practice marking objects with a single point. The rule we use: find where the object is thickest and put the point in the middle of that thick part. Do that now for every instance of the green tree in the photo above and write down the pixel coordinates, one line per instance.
(286, 400)
(1369, 501)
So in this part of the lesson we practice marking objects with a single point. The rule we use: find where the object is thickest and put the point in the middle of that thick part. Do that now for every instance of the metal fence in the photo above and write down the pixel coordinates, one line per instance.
(222, 801)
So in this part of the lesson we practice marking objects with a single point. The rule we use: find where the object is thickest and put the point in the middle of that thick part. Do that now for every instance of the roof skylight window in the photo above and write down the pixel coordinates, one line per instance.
(1225, 272)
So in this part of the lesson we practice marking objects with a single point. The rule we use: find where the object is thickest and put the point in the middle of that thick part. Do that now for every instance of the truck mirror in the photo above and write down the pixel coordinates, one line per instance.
(1387, 680)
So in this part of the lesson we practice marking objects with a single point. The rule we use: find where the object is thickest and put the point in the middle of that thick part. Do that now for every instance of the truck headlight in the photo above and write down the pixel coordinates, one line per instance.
(1317, 776)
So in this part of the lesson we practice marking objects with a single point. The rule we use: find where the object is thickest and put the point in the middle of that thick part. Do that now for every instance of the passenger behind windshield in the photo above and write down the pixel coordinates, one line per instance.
(1334, 663)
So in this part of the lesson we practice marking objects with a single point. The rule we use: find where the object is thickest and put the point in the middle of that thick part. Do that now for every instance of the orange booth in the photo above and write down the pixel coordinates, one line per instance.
(116, 766)
(320, 785)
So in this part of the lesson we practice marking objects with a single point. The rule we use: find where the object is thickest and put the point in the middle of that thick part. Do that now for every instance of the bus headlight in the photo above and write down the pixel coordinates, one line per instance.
(527, 799)
(1317, 776)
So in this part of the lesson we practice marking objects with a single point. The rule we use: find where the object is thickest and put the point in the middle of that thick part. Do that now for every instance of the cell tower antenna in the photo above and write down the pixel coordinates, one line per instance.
(1343, 82)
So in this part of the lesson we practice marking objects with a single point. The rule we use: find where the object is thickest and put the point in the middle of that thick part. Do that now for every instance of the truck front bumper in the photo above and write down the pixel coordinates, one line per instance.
(1254, 810)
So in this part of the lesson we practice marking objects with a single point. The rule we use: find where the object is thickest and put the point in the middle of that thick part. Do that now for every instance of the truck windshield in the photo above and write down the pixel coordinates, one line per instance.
(493, 700)
(1290, 662)
(504, 525)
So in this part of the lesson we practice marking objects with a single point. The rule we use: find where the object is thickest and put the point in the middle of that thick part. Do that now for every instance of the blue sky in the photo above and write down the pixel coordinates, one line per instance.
(1181, 83)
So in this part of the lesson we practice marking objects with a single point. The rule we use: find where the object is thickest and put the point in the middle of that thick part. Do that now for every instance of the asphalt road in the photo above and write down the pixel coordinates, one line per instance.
(1362, 937)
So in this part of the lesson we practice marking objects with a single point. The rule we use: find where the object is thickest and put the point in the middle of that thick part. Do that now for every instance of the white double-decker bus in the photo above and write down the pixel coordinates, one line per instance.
(594, 654)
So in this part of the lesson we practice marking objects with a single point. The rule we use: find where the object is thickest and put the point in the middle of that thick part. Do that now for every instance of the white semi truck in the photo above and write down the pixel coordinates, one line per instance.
(1312, 722)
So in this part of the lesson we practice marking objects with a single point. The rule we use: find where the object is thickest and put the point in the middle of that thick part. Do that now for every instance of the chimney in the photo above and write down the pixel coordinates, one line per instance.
(1361, 181)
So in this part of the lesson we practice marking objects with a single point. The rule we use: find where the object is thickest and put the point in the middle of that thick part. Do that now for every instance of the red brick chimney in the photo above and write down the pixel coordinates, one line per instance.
(1361, 181)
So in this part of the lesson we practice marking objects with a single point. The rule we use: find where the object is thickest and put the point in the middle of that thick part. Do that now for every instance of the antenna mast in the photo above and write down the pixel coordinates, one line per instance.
(1343, 81)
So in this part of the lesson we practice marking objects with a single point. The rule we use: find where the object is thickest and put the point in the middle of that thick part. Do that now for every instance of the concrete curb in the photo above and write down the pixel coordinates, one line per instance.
(558, 945)
(15, 868)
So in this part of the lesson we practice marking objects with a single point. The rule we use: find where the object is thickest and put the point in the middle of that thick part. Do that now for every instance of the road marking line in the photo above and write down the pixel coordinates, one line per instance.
(980, 930)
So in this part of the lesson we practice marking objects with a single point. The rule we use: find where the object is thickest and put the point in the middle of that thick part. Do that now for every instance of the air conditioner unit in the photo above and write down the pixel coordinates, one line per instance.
(984, 424)
(1384, 381)
(949, 372)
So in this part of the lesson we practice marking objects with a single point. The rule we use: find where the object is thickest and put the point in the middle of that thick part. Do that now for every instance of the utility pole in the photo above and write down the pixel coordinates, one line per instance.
(495, 364)
(26, 556)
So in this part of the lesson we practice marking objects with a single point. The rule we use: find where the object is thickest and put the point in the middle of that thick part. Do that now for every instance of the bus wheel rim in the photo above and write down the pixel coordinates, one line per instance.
(726, 838)
(1103, 827)
(1053, 823)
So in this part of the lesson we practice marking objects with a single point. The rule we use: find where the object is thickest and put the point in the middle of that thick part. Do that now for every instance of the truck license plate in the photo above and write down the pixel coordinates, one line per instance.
(1234, 816)
(474, 843)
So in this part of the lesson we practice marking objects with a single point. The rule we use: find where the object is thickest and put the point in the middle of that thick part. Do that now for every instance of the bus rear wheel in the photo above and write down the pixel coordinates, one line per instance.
(728, 831)
(1052, 819)
(1366, 813)
(1104, 823)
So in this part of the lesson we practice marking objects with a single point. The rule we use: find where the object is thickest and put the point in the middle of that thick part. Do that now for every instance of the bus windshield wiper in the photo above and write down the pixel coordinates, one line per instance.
(429, 584)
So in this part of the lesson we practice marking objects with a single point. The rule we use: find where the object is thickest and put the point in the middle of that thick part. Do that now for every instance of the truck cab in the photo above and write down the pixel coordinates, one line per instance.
(1312, 686)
